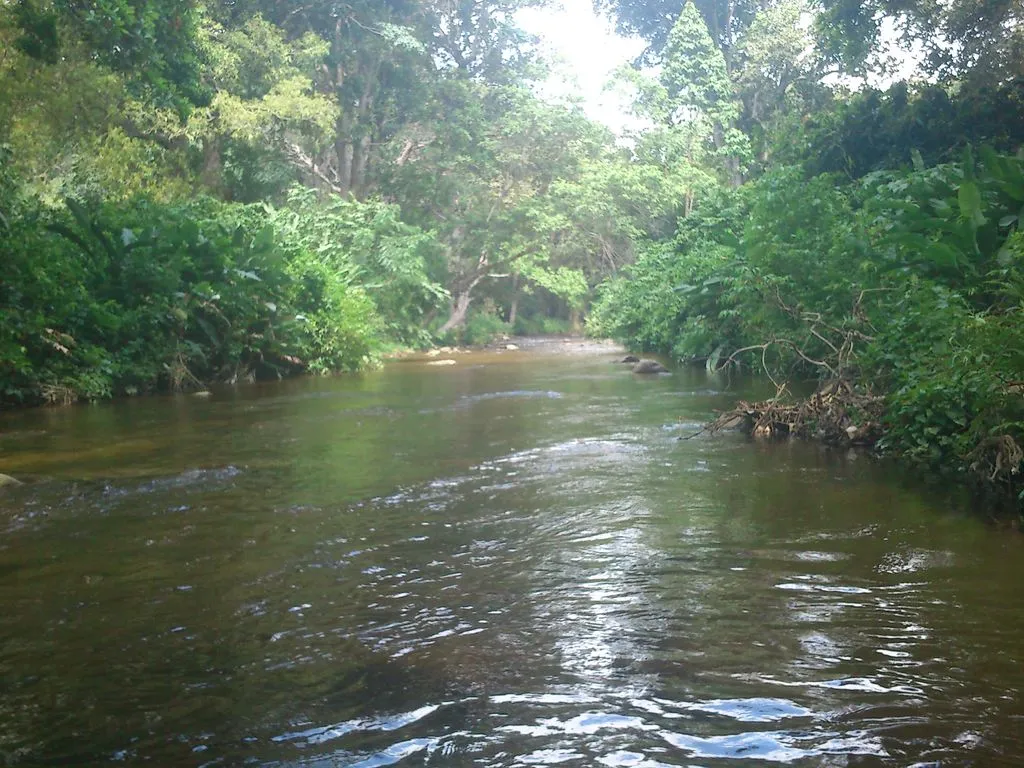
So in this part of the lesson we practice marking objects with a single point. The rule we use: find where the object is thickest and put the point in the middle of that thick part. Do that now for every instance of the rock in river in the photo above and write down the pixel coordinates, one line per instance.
(6, 480)
(649, 366)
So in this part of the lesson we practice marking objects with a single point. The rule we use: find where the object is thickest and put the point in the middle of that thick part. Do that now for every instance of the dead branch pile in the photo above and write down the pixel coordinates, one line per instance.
(836, 414)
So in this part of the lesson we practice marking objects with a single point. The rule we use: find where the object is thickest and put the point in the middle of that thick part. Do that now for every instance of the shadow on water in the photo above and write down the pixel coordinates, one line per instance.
(508, 561)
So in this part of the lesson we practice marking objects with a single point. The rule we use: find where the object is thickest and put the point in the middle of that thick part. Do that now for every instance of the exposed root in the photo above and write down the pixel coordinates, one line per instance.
(835, 414)
(999, 458)
(180, 378)
(58, 394)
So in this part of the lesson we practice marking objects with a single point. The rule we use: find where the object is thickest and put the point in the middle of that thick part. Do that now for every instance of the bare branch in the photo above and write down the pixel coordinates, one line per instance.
(304, 161)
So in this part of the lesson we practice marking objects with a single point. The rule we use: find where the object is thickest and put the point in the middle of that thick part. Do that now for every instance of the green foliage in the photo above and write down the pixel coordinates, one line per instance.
(264, 94)
(906, 283)
(958, 37)
(877, 130)
(568, 284)
(540, 325)
(484, 326)
(137, 296)
(694, 72)
(953, 374)
(681, 297)
(367, 244)
(152, 43)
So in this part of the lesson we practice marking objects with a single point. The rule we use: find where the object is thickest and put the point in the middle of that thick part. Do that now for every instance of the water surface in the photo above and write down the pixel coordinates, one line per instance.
(510, 561)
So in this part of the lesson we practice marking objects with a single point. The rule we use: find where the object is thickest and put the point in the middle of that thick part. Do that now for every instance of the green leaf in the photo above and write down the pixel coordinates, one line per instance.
(264, 239)
(943, 254)
(969, 197)
(968, 163)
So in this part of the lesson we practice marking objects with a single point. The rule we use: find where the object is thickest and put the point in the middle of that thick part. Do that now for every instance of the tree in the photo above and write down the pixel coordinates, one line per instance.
(694, 73)
(958, 37)
(265, 110)
(152, 43)
(693, 104)
(653, 20)
(777, 73)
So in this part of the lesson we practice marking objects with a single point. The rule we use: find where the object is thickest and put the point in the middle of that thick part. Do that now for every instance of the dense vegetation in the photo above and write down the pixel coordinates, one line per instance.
(222, 191)
(194, 192)
(870, 238)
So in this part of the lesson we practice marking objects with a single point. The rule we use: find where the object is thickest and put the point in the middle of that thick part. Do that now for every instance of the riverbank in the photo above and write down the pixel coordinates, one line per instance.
(905, 287)
(553, 344)
(840, 414)
(291, 368)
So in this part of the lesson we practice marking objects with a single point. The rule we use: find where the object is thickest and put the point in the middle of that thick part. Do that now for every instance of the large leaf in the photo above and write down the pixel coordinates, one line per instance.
(969, 197)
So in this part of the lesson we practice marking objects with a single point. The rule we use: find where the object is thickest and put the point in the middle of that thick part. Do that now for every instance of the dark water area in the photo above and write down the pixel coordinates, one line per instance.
(509, 561)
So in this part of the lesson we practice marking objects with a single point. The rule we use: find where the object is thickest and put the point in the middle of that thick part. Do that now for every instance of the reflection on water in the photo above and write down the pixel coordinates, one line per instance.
(507, 562)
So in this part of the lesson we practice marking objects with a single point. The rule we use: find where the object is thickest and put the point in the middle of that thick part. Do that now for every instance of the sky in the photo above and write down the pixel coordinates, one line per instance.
(587, 50)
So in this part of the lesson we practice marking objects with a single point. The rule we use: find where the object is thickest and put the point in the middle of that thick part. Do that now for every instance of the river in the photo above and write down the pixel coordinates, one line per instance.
(509, 561)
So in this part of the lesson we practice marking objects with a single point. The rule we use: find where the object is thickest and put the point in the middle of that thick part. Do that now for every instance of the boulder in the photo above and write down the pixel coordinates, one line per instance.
(630, 359)
(511, 347)
(649, 366)
(6, 480)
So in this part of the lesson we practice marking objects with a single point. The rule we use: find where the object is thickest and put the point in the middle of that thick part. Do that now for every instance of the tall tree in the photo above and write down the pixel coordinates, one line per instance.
(777, 73)
(653, 20)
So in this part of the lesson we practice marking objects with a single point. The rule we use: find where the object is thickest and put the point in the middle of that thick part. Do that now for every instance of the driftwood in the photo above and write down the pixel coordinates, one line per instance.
(836, 414)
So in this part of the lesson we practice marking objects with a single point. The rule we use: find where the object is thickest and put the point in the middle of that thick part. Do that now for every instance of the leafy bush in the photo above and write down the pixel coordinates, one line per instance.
(680, 297)
(137, 296)
(540, 325)
(367, 243)
(484, 326)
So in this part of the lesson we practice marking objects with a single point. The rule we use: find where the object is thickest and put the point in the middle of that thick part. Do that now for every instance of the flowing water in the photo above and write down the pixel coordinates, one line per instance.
(510, 561)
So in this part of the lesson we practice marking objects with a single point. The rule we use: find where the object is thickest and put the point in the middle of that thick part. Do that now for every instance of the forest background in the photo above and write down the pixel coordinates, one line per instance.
(220, 191)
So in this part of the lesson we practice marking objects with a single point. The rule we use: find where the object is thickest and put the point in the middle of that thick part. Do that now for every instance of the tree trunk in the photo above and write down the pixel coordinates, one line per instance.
(343, 154)
(735, 176)
(727, 41)
(212, 175)
(359, 166)
(457, 314)
(514, 308)
(459, 307)
(360, 138)
(575, 325)
(345, 166)
(343, 125)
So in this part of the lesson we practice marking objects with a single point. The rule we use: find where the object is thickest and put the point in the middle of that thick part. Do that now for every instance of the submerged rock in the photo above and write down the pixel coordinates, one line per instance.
(629, 359)
(649, 366)
(441, 362)
(6, 480)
